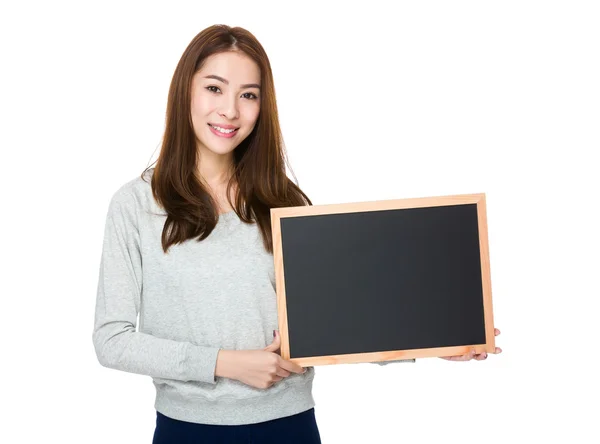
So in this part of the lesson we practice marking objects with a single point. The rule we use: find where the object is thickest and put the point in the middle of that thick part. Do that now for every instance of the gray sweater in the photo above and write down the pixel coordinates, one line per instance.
(196, 299)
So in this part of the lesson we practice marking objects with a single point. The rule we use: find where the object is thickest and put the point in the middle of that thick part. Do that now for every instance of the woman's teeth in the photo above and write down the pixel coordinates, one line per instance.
(221, 130)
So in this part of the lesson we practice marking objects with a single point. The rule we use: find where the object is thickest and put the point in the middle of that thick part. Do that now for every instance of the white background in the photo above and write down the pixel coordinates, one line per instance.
(378, 100)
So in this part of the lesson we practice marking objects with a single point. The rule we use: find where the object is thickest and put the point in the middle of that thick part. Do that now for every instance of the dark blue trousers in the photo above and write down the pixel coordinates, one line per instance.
(296, 429)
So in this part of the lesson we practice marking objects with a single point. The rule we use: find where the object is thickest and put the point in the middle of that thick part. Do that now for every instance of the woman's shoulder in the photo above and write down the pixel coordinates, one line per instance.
(134, 191)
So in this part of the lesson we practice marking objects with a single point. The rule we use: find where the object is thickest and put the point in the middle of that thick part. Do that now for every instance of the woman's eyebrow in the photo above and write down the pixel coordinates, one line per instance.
(226, 82)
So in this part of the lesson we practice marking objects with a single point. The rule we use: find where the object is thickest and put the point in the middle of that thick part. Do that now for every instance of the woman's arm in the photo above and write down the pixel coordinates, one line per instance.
(117, 343)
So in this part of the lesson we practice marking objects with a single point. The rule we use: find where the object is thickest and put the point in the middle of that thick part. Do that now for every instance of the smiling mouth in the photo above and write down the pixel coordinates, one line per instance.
(223, 130)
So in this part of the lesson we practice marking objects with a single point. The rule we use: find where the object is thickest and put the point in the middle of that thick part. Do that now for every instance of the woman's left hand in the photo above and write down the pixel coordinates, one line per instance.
(473, 355)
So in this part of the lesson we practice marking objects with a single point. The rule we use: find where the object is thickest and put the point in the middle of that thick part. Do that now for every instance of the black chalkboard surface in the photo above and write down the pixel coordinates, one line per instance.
(384, 280)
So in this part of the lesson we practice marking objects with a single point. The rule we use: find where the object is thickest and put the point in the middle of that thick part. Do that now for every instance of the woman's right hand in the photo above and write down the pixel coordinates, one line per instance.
(262, 368)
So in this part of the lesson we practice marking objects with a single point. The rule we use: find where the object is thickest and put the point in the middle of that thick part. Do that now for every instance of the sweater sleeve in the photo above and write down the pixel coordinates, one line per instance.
(117, 343)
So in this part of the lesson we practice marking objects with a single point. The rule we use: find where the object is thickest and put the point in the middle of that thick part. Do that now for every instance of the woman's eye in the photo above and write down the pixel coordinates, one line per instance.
(254, 97)
(209, 88)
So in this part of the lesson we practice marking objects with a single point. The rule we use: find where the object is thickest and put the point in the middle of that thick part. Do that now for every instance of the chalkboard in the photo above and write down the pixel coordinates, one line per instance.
(383, 280)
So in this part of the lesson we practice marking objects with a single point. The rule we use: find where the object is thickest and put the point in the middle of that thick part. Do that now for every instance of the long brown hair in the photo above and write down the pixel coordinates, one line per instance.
(259, 160)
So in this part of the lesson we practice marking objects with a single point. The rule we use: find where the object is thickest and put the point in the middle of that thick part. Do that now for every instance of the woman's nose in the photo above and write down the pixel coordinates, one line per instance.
(229, 109)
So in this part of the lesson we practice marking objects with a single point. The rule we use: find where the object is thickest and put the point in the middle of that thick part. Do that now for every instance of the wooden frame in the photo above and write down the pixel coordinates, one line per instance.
(479, 199)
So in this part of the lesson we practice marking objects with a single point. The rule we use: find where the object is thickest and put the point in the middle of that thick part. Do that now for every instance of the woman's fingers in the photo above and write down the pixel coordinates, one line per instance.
(282, 372)
(498, 349)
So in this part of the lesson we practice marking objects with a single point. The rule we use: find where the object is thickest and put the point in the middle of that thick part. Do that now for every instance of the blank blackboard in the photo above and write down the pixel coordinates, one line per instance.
(384, 280)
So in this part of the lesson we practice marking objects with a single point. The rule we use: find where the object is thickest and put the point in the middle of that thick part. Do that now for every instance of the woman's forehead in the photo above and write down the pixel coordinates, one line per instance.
(233, 68)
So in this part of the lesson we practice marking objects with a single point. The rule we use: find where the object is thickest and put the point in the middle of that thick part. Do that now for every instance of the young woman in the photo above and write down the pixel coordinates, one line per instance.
(192, 234)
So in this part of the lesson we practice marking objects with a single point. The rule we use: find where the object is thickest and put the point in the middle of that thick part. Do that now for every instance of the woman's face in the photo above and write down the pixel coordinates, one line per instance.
(225, 94)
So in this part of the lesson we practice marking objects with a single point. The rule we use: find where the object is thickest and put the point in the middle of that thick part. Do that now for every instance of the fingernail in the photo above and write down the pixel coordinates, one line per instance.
(484, 355)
